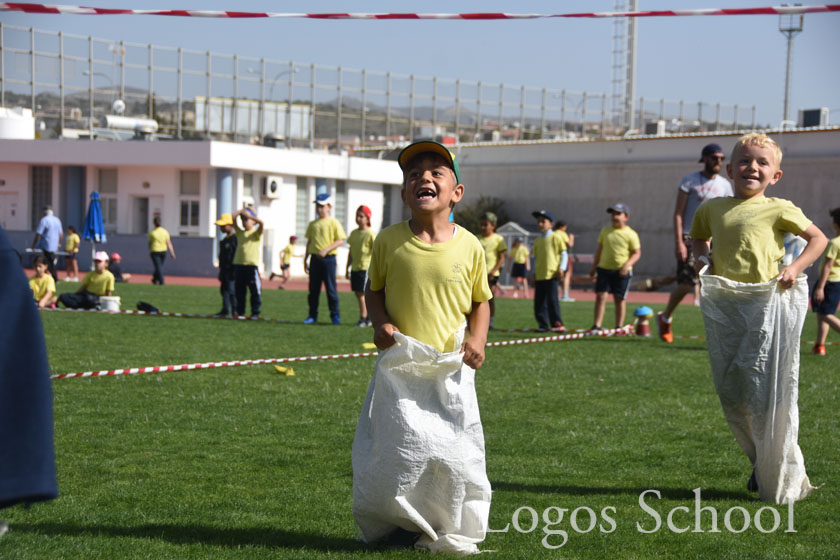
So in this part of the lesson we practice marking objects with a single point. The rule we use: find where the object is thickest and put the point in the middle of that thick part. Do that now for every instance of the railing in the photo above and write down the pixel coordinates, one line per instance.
(70, 82)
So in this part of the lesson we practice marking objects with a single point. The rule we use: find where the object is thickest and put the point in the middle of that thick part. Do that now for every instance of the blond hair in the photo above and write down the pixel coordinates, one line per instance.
(760, 140)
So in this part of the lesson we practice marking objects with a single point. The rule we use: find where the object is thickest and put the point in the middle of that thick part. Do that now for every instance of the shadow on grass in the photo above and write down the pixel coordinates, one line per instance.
(197, 534)
(708, 494)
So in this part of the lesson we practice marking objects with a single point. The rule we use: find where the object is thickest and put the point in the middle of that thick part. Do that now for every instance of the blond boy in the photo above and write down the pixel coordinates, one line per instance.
(748, 232)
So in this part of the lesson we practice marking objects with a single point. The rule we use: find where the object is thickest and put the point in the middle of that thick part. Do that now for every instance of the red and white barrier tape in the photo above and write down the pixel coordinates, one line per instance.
(208, 365)
(478, 16)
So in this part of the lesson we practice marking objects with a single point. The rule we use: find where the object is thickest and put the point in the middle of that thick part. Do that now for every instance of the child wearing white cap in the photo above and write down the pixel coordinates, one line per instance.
(96, 283)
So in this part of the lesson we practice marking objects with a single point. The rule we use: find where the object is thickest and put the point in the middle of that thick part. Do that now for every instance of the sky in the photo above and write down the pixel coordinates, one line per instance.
(727, 59)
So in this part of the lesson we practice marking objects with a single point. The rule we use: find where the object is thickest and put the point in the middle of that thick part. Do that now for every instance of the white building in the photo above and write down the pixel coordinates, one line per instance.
(189, 184)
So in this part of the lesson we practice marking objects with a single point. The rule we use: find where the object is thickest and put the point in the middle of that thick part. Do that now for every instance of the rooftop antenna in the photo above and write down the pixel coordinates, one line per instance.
(790, 25)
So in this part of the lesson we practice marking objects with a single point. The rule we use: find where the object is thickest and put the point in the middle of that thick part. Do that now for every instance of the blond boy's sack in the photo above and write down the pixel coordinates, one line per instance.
(753, 337)
(418, 453)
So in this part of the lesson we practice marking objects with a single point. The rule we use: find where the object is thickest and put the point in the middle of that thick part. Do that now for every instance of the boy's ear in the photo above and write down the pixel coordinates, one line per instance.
(776, 176)
(729, 170)
(457, 193)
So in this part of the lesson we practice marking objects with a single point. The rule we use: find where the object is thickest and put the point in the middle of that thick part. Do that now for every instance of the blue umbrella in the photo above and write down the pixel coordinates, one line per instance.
(94, 225)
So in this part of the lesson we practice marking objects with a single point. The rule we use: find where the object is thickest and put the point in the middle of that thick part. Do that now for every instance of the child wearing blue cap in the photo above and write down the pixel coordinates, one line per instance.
(618, 250)
(548, 252)
(324, 236)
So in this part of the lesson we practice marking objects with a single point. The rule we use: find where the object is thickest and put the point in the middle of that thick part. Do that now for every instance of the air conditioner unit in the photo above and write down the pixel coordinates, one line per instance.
(271, 187)
(813, 117)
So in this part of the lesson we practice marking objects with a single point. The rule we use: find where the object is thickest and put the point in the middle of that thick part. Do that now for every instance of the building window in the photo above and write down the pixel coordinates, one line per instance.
(190, 193)
(41, 191)
(302, 205)
(341, 202)
(108, 198)
(248, 186)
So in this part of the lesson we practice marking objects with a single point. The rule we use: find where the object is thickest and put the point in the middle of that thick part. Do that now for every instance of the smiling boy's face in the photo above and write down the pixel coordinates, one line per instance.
(429, 185)
(544, 224)
(752, 170)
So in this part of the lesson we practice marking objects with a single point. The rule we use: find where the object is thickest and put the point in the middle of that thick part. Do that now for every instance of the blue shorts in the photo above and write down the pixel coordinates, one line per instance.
(357, 280)
(830, 302)
(613, 282)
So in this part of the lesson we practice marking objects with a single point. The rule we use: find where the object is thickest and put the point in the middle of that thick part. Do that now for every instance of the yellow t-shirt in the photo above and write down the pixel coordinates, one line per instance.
(99, 284)
(616, 246)
(748, 235)
(564, 236)
(494, 247)
(831, 252)
(322, 233)
(157, 240)
(247, 246)
(71, 245)
(40, 286)
(547, 250)
(429, 289)
(361, 243)
(287, 253)
(521, 254)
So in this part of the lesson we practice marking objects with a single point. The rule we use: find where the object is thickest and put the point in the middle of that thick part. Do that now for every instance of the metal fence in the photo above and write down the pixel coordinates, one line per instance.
(71, 82)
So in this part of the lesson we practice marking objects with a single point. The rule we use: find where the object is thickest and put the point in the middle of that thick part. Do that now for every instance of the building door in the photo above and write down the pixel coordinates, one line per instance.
(9, 210)
(72, 196)
(140, 213)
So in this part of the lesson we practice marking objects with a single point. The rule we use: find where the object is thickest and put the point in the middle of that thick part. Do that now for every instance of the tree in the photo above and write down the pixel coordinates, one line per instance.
(469, 215)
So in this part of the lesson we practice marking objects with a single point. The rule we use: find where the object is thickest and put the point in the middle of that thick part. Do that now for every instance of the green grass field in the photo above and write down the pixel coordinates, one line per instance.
(245, 463)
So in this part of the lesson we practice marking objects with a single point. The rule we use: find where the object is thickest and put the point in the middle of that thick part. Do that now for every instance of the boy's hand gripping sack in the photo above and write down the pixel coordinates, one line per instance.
(418, 454)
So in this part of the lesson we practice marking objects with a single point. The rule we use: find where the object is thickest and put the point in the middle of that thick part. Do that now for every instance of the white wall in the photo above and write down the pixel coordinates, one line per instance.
(14, 196)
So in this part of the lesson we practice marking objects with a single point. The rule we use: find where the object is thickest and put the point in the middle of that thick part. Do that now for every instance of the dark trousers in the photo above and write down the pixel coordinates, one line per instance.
(322, 271)
(51, 264)
(79, 300)
(247, 278)
(228, 291)
(546, 304)
(157, 260)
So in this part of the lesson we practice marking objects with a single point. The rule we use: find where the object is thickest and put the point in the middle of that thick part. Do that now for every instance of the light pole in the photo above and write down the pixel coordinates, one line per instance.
(790, 25)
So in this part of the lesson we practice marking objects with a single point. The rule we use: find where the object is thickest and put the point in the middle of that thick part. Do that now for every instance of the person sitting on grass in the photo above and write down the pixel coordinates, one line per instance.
(116, 269)
(618, 250)
(358, 260)
(42, 284)
(826, 294)
(427, 277)
(757, 383)
(96, 283)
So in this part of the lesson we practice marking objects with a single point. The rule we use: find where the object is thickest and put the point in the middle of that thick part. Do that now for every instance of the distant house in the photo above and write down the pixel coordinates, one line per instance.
(189, 184)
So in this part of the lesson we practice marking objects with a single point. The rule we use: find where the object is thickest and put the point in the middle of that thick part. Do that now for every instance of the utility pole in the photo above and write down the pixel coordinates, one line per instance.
(790, 25)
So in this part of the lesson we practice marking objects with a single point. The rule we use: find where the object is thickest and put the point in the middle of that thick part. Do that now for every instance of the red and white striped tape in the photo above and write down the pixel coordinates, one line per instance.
(208, 365)
(478, 16)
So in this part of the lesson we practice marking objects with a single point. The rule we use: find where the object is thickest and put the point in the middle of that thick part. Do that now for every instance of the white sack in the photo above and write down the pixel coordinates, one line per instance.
(418, 454)
(752, 334)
